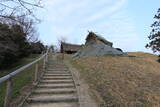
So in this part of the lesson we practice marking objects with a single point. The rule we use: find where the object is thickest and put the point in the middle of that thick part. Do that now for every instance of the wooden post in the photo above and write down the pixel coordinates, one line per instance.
(46, 58)
(36, 73)
(62, 55)
(44, 64)
(8, 96)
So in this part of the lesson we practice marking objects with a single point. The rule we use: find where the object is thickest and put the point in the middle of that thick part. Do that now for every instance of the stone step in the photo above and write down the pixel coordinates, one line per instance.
(57, 66)
(57, 69)
(53, 98)
(55, 91)
(57, 72)
(56, 77)
(55, 86)
(56, 81)
(54, 67)
(56, 104)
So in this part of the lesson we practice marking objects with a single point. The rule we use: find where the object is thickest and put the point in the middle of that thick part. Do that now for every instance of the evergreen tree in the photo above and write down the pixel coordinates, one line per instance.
(154, 36)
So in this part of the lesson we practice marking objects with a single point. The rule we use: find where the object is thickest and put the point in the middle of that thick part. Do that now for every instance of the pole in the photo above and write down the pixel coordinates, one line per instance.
(36, 73)
(8, 96)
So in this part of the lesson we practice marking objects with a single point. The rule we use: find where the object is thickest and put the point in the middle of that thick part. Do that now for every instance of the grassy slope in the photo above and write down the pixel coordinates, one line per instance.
(123, 81)
(20, 80)
(18, 64)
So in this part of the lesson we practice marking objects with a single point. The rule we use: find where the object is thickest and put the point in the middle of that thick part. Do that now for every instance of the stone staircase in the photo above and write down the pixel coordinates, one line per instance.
(55, 89)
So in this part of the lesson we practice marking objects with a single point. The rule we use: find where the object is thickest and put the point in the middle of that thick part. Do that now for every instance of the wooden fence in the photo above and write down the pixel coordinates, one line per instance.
(8, 78)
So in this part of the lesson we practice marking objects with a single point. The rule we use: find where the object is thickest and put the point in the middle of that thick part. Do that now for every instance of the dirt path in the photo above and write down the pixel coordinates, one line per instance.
(85, 96)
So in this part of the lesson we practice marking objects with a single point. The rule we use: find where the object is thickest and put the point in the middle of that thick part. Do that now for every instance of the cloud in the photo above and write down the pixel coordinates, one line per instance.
(72, 19)
(106, 11)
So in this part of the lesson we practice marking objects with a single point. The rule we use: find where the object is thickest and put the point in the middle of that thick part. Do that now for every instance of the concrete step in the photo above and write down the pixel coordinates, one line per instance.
(53, 98)
(56, 65)
(60, 67)
(55, 91)
(56, 78)
(57, 69)
(57, 74)
(57, 104)
(56, 81)
(56, 85)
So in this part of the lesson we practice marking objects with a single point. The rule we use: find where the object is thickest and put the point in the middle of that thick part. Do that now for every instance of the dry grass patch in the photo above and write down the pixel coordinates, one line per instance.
(123, 81)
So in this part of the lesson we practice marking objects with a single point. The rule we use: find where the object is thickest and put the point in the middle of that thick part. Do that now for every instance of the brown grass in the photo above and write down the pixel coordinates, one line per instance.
(124, 81)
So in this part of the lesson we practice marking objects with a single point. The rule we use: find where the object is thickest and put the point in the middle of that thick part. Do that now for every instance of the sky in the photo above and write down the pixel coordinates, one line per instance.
(126, 23)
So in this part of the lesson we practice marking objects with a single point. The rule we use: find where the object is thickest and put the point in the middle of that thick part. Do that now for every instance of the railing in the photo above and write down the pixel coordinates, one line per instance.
(8, 78)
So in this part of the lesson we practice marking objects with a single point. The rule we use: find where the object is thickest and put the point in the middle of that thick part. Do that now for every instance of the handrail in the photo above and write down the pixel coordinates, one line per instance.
(2, 79)
(8, 78)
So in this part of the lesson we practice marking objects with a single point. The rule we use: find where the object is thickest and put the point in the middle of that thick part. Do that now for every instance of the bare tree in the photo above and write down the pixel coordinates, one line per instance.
(9, 9)
(29, 29)
(61, 39)
(20, 12)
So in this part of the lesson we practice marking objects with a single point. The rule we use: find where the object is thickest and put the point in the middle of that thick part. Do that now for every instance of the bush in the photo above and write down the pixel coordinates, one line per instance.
(37, 48)
(14, 44)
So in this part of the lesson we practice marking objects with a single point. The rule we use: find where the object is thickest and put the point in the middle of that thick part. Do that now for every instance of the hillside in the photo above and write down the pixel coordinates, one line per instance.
(123, 81)
(22, 81)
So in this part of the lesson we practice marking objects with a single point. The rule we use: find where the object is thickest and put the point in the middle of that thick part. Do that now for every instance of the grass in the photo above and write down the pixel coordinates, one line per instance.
(18, 64)
(123, 81)
(21, 79)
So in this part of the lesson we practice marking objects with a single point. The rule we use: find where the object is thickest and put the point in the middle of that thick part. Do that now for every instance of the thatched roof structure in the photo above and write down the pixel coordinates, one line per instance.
(92, 38)
(69, 48)
(97, 46)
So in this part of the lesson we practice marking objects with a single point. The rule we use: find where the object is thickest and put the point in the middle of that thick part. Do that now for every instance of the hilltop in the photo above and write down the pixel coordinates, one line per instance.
(123, 81)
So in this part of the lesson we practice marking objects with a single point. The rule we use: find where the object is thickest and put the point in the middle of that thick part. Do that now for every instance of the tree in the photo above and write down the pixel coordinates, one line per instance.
(60, 40)
(14, 44)
(11, 39)
(19, 37)
(154, 36)
(21, 12)
(17, 30)
(9, 9)
(37, 47)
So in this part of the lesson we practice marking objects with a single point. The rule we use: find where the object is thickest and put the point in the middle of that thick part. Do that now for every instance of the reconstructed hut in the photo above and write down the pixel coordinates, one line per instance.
(98, 46)
(93, 38)
(69, 48)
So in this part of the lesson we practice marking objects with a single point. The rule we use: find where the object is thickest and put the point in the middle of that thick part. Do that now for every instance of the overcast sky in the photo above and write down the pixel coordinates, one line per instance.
(126, 23)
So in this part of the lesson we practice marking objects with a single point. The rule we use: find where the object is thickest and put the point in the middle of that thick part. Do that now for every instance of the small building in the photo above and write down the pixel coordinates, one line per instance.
(94, 38)
(69, 48)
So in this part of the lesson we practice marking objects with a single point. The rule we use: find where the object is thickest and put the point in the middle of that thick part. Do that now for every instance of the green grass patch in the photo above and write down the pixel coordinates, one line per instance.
(18, 64)
(21, 79)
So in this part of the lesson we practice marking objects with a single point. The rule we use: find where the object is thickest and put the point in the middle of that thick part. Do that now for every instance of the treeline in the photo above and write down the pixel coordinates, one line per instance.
(18, 36)
(14, 44)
